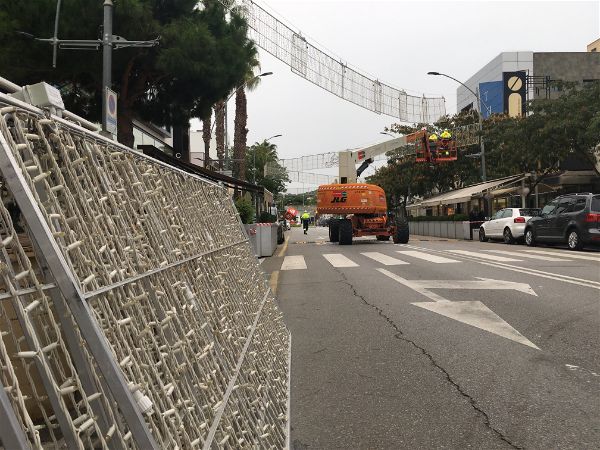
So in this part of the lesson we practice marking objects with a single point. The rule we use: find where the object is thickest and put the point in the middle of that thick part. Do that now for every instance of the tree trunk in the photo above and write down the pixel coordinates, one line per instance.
(206, 135)
(220, 132)
(240, 133)
(125, 125)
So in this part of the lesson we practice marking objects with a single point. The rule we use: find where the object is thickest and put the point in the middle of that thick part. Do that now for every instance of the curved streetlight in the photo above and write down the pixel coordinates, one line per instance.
(479, 103)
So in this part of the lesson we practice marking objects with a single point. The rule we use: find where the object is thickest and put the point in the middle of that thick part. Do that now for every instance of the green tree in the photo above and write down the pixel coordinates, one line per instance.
(554, 130)
(260, 155)
(201, 57)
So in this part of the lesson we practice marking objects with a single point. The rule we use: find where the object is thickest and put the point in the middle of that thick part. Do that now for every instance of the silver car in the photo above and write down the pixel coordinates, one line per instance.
(507, 224)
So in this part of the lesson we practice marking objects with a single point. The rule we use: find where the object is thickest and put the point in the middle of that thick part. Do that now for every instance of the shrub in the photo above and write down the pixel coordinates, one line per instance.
(265, 217)
(245, 209)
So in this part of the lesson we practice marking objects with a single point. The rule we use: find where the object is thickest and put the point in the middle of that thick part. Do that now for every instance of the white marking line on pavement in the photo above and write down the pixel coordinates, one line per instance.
(524, 270)
(473, 313)
(526, 255)
(384, 259)
(427, 257)
(293, 263)
(570, 254)
(339, 260)
(484, 256)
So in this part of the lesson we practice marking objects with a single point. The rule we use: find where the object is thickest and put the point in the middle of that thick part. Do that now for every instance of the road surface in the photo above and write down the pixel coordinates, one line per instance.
(440, 343)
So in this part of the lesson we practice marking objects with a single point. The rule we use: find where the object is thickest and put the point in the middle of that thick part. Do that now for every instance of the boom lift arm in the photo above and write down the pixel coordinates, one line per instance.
(349, 159)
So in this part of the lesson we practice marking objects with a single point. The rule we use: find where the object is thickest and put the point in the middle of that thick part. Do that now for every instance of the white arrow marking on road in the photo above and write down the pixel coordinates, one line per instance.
(478, 315)
(473, 313)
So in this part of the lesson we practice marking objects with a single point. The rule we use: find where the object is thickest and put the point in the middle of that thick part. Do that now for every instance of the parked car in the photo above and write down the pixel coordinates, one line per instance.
(573, 219)
(507, 224)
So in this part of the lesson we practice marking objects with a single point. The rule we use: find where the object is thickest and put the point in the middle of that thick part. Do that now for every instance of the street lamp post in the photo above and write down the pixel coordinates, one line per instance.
(479, 103)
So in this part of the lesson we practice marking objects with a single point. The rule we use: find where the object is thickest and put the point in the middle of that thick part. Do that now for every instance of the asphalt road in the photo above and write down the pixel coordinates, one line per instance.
(451, 344)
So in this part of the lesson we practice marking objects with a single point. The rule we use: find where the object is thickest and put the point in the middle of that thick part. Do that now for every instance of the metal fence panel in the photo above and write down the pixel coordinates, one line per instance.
(151, 268)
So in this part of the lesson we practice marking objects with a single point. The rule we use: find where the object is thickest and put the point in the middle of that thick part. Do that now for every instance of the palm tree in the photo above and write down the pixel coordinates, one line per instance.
(206, 135)
(241, 119)
(220, 131)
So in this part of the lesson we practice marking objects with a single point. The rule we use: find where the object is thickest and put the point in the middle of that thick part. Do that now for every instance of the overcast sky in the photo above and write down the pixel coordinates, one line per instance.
(398, 42)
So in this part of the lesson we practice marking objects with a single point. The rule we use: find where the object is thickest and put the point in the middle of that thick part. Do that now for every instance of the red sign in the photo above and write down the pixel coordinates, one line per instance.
(361, 154)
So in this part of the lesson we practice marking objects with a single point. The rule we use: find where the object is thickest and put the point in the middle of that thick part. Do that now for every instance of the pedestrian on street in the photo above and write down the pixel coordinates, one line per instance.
(305, 219)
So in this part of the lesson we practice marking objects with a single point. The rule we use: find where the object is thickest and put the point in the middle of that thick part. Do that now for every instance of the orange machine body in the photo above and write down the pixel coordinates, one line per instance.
(357, 198)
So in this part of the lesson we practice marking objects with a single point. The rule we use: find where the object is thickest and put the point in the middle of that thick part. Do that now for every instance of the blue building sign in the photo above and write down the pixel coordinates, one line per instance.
(492, 96)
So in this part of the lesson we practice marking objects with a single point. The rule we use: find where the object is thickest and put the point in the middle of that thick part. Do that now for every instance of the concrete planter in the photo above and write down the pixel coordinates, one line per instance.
(443, 229)
(263, 237)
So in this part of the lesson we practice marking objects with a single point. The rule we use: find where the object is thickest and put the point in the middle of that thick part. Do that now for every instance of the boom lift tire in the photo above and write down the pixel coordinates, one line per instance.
(345, 228)
(382, 237)
(402, 232)
(334, 230)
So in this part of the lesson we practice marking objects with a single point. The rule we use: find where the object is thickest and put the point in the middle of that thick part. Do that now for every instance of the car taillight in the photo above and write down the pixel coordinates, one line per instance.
(591, 217)
(520, 220)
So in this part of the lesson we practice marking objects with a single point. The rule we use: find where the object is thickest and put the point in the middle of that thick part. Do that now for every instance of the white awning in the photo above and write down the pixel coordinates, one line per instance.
(467, 193)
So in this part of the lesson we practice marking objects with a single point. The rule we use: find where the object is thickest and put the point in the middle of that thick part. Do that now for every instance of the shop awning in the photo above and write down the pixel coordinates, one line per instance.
(467, 193)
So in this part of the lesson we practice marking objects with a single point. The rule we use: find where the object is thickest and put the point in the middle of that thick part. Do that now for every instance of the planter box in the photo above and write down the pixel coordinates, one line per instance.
(443, 229)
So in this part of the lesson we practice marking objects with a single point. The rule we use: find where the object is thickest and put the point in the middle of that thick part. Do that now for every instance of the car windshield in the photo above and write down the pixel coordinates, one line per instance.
(529, 212)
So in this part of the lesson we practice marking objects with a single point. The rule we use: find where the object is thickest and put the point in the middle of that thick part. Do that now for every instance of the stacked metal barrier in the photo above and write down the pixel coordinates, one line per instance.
(138, 315)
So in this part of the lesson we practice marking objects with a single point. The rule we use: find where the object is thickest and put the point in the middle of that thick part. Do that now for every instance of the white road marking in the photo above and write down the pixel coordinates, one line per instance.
(472, 313)
(384, 259)
(477, 315)
(526, 255)
(484, 256)
(525, 270)
(567, 254)
(427, 257)
(423, 286)
(339, 260)
(293, 263)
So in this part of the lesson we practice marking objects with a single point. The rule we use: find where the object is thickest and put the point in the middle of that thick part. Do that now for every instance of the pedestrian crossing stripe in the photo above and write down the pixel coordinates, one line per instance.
(484, 256)
(571, 254)
(427, 257)
(384, 259)
(339, 260)
(295, 262)
(530, 256)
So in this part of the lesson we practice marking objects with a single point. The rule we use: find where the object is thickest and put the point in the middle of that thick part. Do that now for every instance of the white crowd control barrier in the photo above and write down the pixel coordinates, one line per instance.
(133, 313)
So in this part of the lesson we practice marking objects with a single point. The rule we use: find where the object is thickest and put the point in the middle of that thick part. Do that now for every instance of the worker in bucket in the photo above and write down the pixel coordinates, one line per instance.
(433, 138)
(305, 219)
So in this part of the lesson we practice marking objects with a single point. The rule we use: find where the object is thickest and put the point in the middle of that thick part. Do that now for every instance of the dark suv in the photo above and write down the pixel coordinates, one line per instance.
(572, 218)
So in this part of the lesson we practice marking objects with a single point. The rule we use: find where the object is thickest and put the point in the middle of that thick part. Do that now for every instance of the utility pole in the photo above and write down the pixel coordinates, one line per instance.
(106, 59)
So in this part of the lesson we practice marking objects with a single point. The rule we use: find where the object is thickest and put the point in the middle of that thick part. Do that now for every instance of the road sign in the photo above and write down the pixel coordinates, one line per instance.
(473, 313)
(111, 111)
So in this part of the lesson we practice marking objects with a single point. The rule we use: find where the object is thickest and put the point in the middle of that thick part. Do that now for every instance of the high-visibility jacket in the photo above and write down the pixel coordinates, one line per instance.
(305, 216)
(433, 137)
(446, 135)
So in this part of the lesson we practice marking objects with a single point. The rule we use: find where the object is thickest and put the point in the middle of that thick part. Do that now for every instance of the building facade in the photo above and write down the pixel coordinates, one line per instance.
(512, 78)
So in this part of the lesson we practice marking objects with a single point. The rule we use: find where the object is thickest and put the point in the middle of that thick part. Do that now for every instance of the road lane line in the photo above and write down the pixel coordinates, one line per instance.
(484, 256)
(526, 255)
(274, 281)
(427, 257)
(525, 270)
(293, 263)
(285, 246)
(339, 260)
(571, 254)
(384, 259)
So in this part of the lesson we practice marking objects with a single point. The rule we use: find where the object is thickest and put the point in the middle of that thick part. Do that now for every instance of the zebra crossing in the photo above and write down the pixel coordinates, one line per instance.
(411, 255)
(338, 260)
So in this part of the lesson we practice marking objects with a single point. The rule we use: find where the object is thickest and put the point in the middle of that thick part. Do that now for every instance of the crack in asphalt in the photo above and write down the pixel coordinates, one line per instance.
(400, 335)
